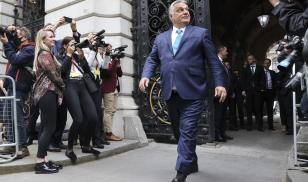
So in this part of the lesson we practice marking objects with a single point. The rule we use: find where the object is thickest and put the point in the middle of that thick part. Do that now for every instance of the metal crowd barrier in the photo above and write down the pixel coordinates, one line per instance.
(8, 123)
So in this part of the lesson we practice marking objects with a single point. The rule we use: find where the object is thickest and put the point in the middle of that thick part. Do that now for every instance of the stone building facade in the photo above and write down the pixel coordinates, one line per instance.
(92, 16)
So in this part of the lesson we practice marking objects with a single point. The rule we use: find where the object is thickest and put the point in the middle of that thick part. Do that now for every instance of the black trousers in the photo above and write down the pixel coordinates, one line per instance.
(60, 126)
(82, 109)
(219, 117)
(286, 110)
(240, 108)
(48, 106)
(98, 135)
(253, 105)
(231, 106)
(34, 114)
(99, 127)
(267, 98)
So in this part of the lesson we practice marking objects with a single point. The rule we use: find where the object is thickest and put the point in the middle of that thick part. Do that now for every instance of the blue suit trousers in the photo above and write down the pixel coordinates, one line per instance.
(185, 115)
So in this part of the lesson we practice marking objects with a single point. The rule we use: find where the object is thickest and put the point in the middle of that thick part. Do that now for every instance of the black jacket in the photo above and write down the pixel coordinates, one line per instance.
(67, 64)
(292, 17)
(252, 82)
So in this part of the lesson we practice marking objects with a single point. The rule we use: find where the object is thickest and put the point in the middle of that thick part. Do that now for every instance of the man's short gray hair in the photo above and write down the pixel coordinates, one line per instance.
(25, 32)
(171, 7)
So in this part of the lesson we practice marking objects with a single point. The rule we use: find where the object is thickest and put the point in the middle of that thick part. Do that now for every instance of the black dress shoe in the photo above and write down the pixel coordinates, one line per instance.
(90, 150)
(233, 128)
(99, 146)
(105, 142)
(303, 164)
(179, 178)
(260, 129)
(44, 168)
(62, 145)
(71, 155)
(52, 164)
(227, 137)
(271, 128)
(194, 169)
(218, 139)
(53, 148)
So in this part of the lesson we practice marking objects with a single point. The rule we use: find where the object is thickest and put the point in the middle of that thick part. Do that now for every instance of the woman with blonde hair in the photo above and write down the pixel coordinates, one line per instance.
(48, 94)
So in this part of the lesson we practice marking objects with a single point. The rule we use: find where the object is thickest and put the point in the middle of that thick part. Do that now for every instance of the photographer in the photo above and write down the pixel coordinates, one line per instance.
(19, 51)
(293, 16)
(284, 94)
(95, 61)
(78, 99)
(110, 89)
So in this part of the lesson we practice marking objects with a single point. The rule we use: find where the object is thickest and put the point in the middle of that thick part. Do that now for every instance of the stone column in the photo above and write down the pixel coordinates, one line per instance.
(115, 16)
(7, 18)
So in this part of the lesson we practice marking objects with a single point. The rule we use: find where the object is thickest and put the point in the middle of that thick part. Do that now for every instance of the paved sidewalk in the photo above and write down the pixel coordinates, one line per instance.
(250, 157)
(27, 163)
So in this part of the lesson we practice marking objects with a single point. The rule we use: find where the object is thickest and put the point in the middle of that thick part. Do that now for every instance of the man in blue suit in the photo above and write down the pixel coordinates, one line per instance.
(181, 54)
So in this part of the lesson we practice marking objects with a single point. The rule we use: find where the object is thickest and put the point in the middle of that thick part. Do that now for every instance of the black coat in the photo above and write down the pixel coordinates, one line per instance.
(292, 17)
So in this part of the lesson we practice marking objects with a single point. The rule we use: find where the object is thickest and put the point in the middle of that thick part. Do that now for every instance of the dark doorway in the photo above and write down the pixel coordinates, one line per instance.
(151, 19)
(232, 23)
(235, 24)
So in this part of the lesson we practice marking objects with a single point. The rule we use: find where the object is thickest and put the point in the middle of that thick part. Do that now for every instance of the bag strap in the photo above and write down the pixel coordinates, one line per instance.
(78, 67)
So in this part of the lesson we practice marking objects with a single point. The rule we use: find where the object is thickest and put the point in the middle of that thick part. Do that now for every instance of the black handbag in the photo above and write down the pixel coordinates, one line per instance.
(89, 82)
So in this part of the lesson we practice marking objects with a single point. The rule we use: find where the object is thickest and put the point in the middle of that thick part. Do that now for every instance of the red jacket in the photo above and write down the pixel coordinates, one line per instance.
(110, 77)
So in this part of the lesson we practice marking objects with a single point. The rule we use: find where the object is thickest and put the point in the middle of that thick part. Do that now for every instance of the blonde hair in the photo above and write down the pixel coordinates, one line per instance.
(40, 45)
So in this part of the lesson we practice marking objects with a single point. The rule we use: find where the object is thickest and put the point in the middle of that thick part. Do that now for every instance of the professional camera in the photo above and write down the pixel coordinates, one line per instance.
(11, 35)
(118, 53)
(99, 41)
(296, 45)
(296, 81)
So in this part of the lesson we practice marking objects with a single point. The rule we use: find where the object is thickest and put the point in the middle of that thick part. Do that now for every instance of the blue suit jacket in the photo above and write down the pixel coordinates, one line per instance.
(186, 69)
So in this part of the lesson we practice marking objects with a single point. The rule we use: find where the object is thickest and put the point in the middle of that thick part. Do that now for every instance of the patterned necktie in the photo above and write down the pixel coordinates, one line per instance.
(177, 41)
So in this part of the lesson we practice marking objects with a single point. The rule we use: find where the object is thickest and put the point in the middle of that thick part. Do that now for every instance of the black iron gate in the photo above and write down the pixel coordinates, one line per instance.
(151, 18)
(33, 15)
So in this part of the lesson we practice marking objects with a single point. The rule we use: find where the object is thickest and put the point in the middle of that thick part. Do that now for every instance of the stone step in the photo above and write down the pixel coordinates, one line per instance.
(27, 164)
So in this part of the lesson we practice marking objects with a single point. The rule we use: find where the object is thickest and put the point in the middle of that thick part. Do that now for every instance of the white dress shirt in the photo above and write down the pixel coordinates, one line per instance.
(174, 34)
(268, 79)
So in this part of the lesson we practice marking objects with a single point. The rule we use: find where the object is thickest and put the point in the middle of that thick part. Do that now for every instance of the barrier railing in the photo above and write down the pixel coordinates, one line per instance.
(8, 122)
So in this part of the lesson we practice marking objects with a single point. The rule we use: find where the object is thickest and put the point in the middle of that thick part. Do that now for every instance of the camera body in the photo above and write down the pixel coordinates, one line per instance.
(11, 35)
(118, 53)
(99, 41)
(295, 44)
